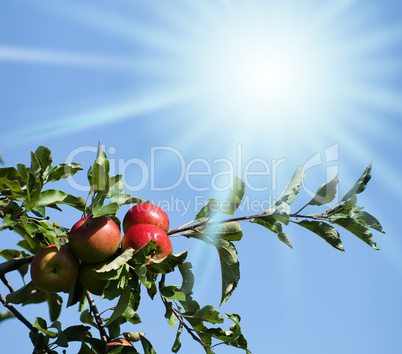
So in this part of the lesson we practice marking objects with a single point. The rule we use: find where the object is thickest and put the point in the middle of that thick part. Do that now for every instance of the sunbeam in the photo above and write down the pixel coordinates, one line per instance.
(186, 95)
(132, 109)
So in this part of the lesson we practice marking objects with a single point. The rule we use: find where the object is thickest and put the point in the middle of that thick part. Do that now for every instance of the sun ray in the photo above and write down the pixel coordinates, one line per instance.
(48, 57)
(130, 109)
(137, 31)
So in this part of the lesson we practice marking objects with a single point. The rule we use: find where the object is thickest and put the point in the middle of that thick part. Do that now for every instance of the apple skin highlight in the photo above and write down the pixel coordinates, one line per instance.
(139, 235)
(54, 270)
(146, 213)
(94, 240)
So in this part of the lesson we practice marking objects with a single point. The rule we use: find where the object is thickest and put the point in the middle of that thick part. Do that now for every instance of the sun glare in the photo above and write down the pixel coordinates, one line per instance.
(261, 76)
(264, 64)
(263, 71)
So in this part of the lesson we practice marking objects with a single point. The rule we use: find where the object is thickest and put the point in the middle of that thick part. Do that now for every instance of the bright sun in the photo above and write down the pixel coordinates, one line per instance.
(277, 65)
(264, 70)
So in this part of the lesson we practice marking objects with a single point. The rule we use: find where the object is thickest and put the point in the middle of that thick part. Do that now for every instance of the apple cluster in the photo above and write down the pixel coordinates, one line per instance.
(93, 242)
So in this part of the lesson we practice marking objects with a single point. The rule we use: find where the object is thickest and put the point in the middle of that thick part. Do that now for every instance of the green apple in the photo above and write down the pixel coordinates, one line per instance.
(89, 277)
(54, 270)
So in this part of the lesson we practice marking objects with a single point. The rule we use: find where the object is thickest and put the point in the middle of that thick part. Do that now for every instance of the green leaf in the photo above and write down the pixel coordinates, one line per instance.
(45, 157)
(9, 254)
(99, 176)
(225, 206)
(118, 280)
(230, 231)
(5, 315)
(39, 340)
(169, 314)
(326, 193)
(147, 346)
(280, 213)
(55, 303)
(87, 318)
(357, 229)
(324, 230)
(177, 342)
(118, 262)
(188, 278)
(360, 185)
(208, 210)
(190, 305)
(53, 196)
(230, 268)
(167, 264)
(124, 306)
(142, 255)
(76, 331)
(11, 179)
(235, 196)
(36, 165)
(40, 324)
(366, 219)
(125, 198)
(292, 189)
(209, 314)
(34, 187)
(146, 278)
(62, 171)
(76, 294)
(237, 339)
(133, 336)
(21, 295)
(343, 209)
(171, 292)
(73, 333)
(62, 340)
(117, 185)
(23, 171)
(270, 222)
(284, 238)
(99, 209)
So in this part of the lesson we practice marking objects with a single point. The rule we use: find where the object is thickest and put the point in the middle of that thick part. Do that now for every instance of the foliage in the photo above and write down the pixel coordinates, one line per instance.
(25, 198)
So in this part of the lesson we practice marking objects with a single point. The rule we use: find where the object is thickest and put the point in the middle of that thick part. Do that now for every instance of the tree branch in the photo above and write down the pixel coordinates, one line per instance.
(243, 218)
(189, 330)
(19, 316)
(184, 324)
(6, 283)
(14, 264)
(96, 315)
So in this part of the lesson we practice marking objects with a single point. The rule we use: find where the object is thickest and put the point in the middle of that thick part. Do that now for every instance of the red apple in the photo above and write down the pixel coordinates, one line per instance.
(93, 239)
(120, 341)
(89, 277)
(54, 270)
(146, 213)
(141, 234)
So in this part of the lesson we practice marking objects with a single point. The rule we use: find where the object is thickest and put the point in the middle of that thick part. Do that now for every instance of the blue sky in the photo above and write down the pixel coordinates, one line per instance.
(181, 92)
